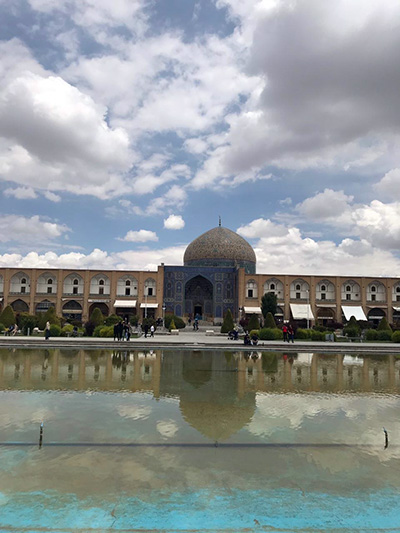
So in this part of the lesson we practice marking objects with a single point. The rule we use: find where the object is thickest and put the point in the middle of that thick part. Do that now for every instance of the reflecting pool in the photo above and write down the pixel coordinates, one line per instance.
(198, 441)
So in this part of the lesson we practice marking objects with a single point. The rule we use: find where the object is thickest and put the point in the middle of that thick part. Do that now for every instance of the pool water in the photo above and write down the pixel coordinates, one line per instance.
(198, 441)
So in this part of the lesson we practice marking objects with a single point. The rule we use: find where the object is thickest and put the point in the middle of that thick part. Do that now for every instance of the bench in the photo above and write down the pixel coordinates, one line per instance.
(174, 331)
(209, 332)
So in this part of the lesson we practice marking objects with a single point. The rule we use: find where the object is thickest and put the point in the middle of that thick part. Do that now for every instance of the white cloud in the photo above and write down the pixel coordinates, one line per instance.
(174, 222)
(97, 259)
(325, 205)
(283, 249)
(53, 136)
(143, 235)
(52, 197)
(389, 185)
(14, 228)
(21, 193)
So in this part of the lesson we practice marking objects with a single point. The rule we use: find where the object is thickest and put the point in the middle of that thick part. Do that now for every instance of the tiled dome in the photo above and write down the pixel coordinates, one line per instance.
(220, 247)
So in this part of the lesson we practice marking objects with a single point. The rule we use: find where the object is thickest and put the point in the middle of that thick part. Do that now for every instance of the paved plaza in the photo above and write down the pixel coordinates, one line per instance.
(192, 339)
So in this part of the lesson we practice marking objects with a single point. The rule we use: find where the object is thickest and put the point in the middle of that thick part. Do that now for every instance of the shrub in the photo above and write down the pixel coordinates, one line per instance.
(384, 325)
(278, 334)
(96, 317)
(396, 336)
(267, 334)
(303, 334)
(26, 322)
(2, 327)
(385, 335)
(254, 322)
(172, 325)
(7, 317)
(68, 328)
(55, 330)
(269, 321)
(255, 332)
(50, 316)
(371, 335)
(351, 331)
(317, 335)
(111, 320)
(107, 331)
(228, 324)
(97, 330)
(179, 323)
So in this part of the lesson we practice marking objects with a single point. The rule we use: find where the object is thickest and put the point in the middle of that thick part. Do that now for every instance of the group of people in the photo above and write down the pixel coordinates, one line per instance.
(122, 330)
(288, 333)
(250, 341)
(12, 330)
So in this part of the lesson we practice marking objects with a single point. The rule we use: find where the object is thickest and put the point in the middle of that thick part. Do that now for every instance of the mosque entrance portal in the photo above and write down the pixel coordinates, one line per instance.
(199, 297)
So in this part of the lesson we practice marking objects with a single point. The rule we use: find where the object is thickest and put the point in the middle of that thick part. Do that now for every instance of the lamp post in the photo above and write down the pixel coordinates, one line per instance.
(308, 309)
(163, 314)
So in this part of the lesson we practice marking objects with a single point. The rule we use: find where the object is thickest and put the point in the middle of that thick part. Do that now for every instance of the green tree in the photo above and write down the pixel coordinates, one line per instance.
(172, 325)
(254, 322)
(111, 320)
(269, 321)
(96, 317)
(227, 324)
(269, 304)
(27, 322)
(352, 329)
(7, 317)
(48, 316)
(384, 325)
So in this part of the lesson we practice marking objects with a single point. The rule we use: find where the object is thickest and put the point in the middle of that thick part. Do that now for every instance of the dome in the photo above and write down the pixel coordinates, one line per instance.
(220, 247)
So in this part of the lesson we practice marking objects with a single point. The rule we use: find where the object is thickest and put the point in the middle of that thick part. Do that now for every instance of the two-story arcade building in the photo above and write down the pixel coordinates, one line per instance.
(219, 273)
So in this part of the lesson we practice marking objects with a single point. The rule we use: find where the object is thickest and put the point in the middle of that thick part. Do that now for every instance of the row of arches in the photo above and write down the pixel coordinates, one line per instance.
(325, 290)
(74, 285)
(70, 308)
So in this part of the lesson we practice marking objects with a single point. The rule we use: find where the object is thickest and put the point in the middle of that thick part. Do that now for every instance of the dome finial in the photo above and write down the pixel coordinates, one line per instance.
(219, 221)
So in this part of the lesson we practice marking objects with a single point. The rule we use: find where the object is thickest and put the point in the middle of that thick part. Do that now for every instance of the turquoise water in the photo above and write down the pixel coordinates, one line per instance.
(180, 441)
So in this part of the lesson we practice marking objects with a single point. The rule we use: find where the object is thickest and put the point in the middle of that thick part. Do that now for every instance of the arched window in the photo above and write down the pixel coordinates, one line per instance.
(50, 281)
(272, 286)
(73, 284)
(275, 286)
(376, 292)
(323, 288)
(127, 286)
(299, 290)
(100, 284)
(150, 287)
(351, 291)
(19, 283)
(251, 289)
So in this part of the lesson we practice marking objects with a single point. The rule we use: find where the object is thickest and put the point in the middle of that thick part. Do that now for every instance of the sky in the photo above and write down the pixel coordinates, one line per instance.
(128, 127)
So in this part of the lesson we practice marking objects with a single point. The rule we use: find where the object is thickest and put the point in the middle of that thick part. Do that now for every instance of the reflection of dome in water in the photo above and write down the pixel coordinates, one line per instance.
(215, 420)
(220, 247)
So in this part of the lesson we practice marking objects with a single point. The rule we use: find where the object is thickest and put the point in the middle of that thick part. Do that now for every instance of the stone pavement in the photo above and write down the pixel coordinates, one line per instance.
(197, 340)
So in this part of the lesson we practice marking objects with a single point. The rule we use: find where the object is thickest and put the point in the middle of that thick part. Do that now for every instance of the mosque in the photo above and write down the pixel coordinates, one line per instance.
(218, 273)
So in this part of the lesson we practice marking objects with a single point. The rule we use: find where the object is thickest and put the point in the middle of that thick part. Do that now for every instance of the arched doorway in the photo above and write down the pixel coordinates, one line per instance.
(375, 315)
(19, 306)
(199, 297)
(325, 316)
(72, 310)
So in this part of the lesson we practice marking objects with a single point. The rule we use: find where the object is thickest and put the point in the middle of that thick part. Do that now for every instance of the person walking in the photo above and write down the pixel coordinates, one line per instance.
(146, 330)
(47, 331)
(152, 331)
(285, 333)
(290, 334)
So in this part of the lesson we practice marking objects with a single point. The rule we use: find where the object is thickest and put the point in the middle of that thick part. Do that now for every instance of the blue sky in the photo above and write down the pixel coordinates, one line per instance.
(128, 127)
